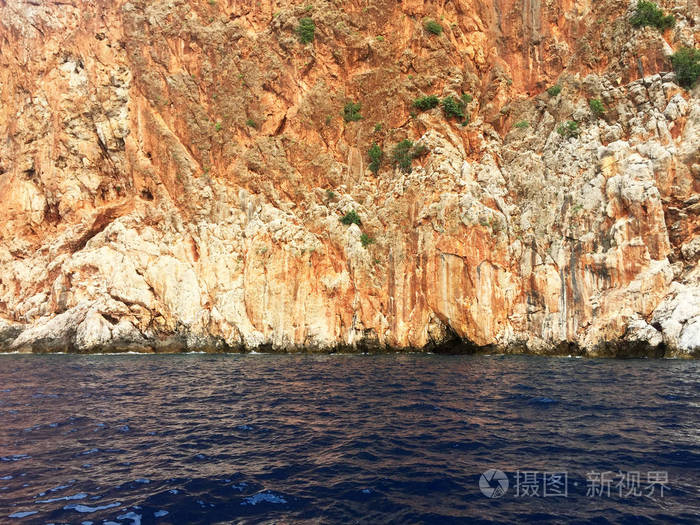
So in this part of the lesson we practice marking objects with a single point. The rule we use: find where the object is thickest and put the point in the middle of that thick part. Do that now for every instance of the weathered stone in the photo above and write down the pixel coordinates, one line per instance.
(8, 333)
(177, 183)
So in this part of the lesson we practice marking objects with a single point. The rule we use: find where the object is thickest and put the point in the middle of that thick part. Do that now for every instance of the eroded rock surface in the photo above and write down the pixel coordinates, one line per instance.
(172, 175)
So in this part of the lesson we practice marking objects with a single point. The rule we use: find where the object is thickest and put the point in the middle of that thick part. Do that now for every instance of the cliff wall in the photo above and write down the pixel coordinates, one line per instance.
(173, 174)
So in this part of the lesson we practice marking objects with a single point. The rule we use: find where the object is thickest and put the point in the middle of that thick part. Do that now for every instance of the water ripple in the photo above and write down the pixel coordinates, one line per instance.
(375, 439)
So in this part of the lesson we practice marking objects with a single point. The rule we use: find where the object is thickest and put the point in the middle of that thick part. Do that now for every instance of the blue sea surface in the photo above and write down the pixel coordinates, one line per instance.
(137, 439)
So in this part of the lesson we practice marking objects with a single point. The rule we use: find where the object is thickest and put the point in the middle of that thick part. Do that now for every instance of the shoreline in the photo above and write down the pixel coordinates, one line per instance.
(360, 352)
(71, 333)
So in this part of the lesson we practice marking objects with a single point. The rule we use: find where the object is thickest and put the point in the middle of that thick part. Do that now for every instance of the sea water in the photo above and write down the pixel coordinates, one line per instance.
(347, 438)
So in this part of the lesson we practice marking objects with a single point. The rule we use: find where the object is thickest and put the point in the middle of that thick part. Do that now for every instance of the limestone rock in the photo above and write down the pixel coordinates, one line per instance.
(8, 332)
(52, 333)
(173, 176)
(93, 332)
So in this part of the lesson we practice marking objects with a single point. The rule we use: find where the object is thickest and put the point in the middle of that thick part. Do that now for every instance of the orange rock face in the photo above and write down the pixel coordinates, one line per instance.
(173, 175)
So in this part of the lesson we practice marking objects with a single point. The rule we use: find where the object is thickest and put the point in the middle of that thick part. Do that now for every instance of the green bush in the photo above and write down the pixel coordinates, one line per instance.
(217, 126)
(366, 240)
(401, 155)
(686, 64)
(554, 90)
(568, 129)
(306, 30)
(453, 107)
(431, 26)
(330, 195)
(351, 217)
(426, 103)
(404, 152)
(250, 122)
(378, 127)
(596, 107)
(649, 14)
(521, 124)
(375, 156)
(351, 112)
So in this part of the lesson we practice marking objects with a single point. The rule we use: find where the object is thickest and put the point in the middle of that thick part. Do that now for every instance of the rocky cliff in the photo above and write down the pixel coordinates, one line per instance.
(173, 175)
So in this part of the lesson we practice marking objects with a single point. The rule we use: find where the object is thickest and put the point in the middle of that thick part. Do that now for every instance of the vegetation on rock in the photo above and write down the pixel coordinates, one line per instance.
(554, 90)
(426, 103)
(453, 107)
(568, 129)
(351, 112)
(401, 155)
(375, 156)
(649, 14)
(596, 107)
(404, 152)
(686, 64)
(306, 30)
(366, 240)
(522, 124)
(351, 217)
(431, 26)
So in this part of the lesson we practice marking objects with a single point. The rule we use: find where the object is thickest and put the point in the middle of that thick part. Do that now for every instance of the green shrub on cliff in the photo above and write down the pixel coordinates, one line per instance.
(686, 64)
(453, 107)
(426, 103)
(568, 129)
(522, 124)
(596, 107)
(375, 156)
(366, 240)
(401, 155)
(554, 90)
(431, 26)
(351, 217)
(351, 112)
(306, 30)
(649, 14)
(404, 152)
